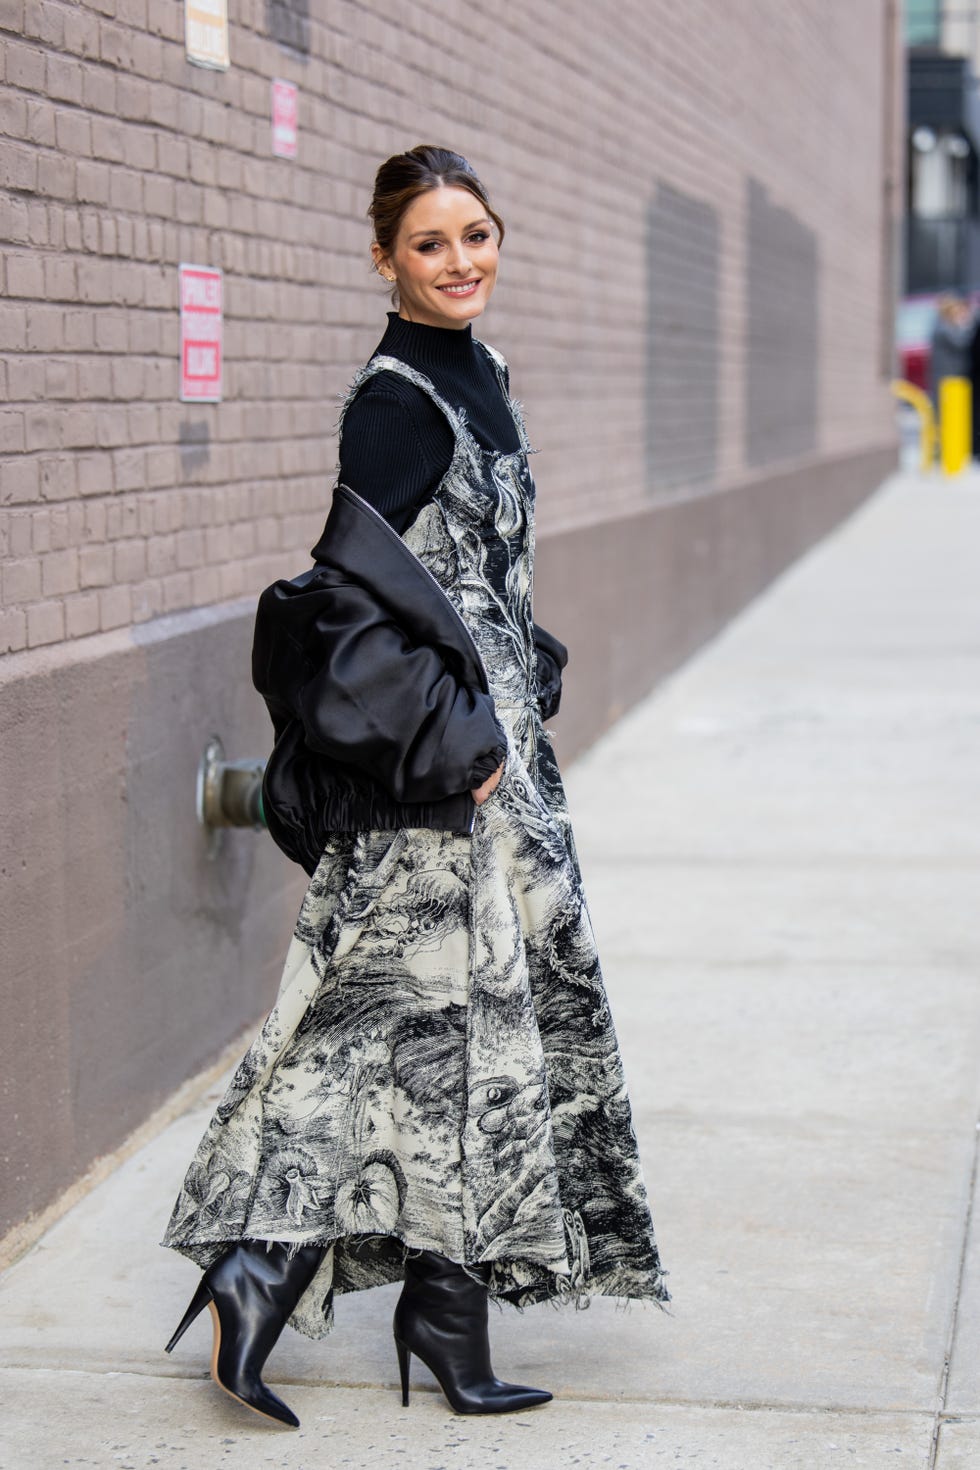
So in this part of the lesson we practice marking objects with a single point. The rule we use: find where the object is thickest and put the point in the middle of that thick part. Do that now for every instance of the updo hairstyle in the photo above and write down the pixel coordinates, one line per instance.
(403, 177)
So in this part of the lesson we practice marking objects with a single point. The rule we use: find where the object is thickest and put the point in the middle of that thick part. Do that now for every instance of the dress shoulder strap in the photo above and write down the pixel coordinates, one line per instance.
(500, 365)
(383, 364)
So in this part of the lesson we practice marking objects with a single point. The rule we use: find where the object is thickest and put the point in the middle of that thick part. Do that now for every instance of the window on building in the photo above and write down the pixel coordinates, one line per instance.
(939, 176)
(923, 22)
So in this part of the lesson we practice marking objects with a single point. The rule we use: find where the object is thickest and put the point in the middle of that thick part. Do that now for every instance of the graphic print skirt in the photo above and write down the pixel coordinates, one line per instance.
(440, 1070)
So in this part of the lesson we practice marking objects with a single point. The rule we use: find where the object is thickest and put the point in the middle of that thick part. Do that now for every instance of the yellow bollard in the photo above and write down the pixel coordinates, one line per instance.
(922, 404)
(955, 424)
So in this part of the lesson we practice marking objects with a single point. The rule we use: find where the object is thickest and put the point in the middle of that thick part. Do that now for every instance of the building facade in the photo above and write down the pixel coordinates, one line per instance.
(695, 299)
(942, 233)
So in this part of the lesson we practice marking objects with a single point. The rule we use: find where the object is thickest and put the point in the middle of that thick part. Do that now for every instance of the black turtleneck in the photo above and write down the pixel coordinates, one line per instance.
(396, 444)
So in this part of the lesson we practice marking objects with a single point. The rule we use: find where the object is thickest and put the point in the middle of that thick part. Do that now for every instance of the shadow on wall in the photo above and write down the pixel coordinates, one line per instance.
(288, 22)
(782, 344)
(683, 244)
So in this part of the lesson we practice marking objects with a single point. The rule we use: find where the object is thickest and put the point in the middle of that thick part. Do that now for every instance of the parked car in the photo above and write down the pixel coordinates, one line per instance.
(914, 322)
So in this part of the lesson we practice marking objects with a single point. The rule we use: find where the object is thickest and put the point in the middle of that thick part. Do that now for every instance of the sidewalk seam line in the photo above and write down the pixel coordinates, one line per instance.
(941, 1414)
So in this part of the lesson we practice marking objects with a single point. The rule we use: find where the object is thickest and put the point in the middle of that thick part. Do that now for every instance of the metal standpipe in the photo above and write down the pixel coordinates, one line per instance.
(229, 794)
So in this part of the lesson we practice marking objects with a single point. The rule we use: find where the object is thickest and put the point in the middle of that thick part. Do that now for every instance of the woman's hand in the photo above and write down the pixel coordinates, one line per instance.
(489, 786)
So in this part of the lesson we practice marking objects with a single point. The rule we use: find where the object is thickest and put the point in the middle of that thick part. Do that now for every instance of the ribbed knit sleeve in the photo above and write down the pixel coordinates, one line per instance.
(395, 448)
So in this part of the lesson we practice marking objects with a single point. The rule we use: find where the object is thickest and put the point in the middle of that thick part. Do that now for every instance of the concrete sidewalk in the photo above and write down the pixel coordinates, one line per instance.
(782, 853)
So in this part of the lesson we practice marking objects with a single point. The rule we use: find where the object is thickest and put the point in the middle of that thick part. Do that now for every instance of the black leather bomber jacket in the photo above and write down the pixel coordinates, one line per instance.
(380, 703)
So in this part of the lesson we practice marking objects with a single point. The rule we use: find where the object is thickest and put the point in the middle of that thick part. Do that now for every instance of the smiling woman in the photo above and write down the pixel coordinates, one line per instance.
(444, 260)
(437, 1097)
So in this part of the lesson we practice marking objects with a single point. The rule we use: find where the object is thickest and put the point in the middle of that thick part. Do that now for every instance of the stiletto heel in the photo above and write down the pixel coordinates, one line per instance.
(441, 1317)
(252, 1291)
(404, 1364)
(199, 1301)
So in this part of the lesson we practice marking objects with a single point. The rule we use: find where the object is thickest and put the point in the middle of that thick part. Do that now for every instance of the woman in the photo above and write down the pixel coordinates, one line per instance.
(437, 1095)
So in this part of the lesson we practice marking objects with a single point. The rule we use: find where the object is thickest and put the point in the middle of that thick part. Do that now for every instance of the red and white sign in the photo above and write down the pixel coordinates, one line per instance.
(285, 110)
(200, 334)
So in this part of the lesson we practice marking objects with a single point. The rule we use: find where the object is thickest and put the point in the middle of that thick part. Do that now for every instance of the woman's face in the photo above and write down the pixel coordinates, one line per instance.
(444, 259)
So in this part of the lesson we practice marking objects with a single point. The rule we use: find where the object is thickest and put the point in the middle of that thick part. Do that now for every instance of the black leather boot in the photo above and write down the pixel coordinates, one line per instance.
(441, 1317)
(251, 1291)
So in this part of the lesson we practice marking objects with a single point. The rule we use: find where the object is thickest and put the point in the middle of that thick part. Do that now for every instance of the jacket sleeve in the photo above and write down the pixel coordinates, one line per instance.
(373, 699)
(550, 657)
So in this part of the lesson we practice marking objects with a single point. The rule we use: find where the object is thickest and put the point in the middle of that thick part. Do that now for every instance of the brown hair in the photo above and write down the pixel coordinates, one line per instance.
(403, 177)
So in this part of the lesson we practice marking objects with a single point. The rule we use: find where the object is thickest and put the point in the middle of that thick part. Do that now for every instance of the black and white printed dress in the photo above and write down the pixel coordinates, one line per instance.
(440, 1070)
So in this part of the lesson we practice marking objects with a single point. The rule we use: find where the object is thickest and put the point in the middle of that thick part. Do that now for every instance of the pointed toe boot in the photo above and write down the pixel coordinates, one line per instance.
(441, 1317)
(251, 1292)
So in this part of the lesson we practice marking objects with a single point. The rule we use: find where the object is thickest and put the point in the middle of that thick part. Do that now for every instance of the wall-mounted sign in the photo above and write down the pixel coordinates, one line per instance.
(200, 334)
(285, 109)
(206, 32)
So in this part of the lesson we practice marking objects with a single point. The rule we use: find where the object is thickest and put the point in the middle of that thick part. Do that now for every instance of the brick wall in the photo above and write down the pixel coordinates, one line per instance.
(121, 159)
(694, 302)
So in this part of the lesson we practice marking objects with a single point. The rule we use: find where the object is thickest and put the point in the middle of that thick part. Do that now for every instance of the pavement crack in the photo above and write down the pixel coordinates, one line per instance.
(941, 1415)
